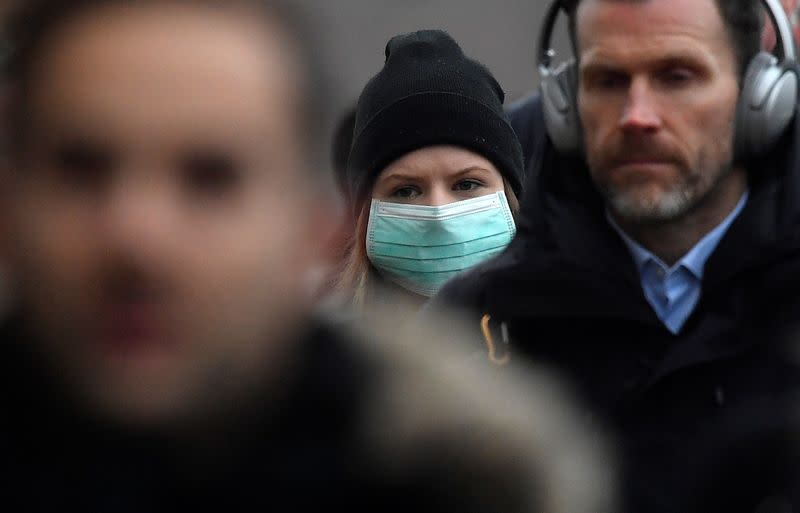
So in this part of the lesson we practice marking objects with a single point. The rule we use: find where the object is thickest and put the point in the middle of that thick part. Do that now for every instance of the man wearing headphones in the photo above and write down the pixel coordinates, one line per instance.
(657, 264)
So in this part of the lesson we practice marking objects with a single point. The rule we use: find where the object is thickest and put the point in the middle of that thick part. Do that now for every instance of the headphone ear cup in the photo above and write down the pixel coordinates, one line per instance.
(559, 100)
(767, 104)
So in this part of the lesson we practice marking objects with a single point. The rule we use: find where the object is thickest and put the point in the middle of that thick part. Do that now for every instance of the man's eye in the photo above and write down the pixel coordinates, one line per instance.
(467, 185)
(407, 192)
(608, 81)
(676, 76)
(210, 172)
(83, 165)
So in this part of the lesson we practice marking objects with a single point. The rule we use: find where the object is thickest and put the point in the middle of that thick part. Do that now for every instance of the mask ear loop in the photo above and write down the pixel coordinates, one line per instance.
(489, 340)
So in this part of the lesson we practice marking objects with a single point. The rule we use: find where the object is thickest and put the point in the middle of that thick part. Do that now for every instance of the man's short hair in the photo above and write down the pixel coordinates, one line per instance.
(743, 19)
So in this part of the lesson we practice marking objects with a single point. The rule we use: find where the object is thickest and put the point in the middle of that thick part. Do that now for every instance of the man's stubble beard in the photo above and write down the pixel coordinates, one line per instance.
(680, 200)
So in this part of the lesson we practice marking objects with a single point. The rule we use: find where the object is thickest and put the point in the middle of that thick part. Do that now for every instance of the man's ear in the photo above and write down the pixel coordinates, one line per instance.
(8, 161)
(5, 235)
(329, 234)
(8, 96)
(5, 209)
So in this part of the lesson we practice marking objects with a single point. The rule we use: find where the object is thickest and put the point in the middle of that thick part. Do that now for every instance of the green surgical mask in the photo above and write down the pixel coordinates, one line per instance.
(420, 247)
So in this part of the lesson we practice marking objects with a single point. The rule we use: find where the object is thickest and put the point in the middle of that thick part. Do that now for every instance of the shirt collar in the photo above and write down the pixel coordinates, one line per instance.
(695, 260)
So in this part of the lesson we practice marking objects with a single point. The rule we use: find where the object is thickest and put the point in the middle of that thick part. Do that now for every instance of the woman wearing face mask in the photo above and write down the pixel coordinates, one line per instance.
(434, 173)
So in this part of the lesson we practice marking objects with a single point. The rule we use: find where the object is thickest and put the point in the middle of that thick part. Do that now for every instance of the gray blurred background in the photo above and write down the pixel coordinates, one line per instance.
(501, 34)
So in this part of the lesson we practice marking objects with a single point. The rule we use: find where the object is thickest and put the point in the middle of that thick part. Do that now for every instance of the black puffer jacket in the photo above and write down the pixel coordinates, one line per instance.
(570, 297)
(362, 426)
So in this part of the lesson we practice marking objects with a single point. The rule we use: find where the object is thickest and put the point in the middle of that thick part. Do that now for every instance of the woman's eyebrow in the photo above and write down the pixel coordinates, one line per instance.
(472, 169)
(401, 177)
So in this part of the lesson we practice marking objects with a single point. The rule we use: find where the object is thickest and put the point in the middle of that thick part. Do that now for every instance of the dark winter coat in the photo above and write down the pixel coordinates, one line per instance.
(570, 297)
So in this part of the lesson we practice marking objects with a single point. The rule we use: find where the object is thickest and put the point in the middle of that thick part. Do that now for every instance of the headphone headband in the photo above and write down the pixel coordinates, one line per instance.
(780, 20)
(783, 29)
(545, 53)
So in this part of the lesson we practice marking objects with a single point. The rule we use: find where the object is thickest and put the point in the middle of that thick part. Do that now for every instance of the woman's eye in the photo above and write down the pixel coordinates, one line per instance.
(406, 192)
(467, 185)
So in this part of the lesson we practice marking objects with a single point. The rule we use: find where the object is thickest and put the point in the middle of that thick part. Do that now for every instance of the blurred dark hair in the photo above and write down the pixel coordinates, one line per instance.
(744, 20)
(30, 24)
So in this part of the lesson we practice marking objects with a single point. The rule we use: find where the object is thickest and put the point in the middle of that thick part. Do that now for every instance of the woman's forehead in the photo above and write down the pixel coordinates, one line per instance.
(438, 160)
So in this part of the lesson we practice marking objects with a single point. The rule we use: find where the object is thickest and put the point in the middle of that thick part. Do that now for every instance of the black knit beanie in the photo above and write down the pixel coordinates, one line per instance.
(429, 93)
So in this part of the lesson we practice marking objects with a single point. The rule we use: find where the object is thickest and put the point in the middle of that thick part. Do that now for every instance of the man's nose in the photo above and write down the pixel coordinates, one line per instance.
(138, 215)
(641, 109)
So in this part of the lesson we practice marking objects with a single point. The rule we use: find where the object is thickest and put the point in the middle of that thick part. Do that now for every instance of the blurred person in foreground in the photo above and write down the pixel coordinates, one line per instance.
(161, 214)
(657, 261)
(433, 175)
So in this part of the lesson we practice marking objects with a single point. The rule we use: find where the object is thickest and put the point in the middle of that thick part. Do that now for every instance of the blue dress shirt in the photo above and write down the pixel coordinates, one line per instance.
(673, 292)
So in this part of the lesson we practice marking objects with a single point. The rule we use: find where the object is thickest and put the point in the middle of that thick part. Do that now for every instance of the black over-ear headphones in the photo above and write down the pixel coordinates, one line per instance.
(767, 100)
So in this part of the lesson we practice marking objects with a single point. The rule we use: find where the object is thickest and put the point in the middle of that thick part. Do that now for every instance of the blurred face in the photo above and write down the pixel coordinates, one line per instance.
(160, 220)
(437, 175)
(657, 98)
